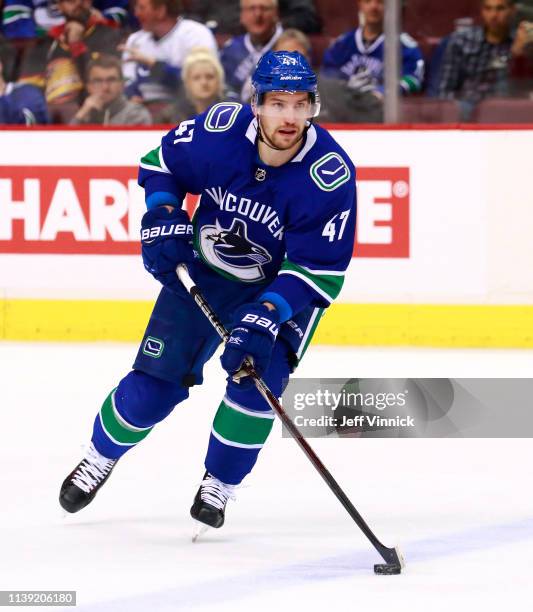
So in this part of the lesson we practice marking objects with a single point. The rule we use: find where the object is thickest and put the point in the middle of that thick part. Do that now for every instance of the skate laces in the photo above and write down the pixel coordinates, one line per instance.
(92, 470)
(215, 492)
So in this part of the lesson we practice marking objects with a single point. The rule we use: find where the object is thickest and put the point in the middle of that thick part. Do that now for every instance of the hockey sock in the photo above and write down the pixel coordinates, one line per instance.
(131, 410)
(237, 436)
(112, 434)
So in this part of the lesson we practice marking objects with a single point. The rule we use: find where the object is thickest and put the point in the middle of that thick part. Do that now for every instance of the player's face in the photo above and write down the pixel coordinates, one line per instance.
(259, 17)
(105, 83)
(148, 15)
(283, 117)
(202, 81)
(496, 15)
(373, 11)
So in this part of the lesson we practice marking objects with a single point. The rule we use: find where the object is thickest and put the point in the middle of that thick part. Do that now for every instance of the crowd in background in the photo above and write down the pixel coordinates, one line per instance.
(109, 62)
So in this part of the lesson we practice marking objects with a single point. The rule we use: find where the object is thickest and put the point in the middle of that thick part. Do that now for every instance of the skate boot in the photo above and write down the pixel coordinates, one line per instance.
(81, 485)
(210, 502)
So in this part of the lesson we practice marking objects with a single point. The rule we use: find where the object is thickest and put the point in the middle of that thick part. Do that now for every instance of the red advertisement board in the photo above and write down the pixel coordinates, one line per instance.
(97, 210)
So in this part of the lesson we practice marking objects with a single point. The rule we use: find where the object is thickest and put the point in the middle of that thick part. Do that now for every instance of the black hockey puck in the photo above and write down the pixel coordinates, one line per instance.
(387, 569)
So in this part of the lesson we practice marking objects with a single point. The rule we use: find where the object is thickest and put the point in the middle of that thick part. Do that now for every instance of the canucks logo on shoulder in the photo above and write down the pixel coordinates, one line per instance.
(222, 116)
(230, 250)
(330, 172)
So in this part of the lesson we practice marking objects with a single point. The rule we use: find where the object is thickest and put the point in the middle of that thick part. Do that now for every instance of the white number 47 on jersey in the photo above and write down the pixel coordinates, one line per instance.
(185, 131)
(330, 229)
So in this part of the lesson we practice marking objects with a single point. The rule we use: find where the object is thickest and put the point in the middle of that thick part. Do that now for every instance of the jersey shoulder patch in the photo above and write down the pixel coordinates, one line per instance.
(408, 41)
(330, 171)
(221, 116)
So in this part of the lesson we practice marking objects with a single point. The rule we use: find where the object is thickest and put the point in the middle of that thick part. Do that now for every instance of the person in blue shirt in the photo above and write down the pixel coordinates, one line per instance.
(358, 55)
(21, 104)
(269, 245)
(352, 72)
(240, 54)
(34, 18)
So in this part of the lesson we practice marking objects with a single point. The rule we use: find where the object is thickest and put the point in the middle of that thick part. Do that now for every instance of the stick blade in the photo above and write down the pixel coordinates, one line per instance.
(387, 569)
(394, 562)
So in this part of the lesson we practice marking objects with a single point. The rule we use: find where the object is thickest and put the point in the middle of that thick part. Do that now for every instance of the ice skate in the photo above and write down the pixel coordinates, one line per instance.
(210, 503)
(82, 484)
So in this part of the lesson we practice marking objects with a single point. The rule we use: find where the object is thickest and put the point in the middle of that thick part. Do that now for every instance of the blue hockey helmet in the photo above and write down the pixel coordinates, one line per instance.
(288, 72)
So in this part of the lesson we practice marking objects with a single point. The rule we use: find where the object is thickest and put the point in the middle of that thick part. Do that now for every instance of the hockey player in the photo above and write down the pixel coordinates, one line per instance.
(273, 235)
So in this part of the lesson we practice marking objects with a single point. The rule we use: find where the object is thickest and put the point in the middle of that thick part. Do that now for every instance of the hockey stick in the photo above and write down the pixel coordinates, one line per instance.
(392, 556)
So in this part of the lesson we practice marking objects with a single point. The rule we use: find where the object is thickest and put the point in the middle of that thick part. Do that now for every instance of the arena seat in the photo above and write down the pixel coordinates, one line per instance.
(441, 18)
(337, 16)
(429, 110)
(504, 110)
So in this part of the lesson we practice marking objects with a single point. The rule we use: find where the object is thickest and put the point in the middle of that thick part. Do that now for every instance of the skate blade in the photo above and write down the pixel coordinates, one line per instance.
(199, 530)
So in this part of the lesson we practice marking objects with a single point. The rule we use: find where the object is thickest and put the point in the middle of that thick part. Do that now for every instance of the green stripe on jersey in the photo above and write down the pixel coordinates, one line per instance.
(13, 13)
(243, 429)
(328, 285)
(117, 428)
(411, 83)
(309, 332)
(152, 161)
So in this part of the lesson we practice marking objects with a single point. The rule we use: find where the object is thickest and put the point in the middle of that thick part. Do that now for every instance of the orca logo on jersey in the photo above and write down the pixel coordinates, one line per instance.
(230, 250)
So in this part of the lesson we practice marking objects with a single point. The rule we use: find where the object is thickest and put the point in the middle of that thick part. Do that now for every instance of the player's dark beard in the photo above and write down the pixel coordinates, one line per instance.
(264, 138)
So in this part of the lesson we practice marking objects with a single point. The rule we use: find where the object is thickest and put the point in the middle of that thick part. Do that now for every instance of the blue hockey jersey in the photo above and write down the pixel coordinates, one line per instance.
(290, 228)
(349, 55)
(239, 58)
(30, 18)
(23, 105)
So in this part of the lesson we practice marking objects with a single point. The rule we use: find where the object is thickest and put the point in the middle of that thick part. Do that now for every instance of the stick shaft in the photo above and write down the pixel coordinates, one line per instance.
(390, 555)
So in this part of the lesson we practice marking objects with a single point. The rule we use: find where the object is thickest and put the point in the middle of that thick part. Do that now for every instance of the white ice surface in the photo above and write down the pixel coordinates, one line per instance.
(461, 509)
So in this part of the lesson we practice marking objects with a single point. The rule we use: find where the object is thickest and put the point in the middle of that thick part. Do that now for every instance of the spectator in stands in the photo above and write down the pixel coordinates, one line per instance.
(352, 79)
(225, 16)
(31, 18)
(106, 103)
(357, 56)
(294, 40)
(58, 62)
(20, 104)
(154, 55)
(240, 54)
(476, 63)
(203, 85)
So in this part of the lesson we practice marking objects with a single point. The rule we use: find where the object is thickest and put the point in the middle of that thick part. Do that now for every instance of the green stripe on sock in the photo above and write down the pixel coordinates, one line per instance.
(236, 426)
(117, 428)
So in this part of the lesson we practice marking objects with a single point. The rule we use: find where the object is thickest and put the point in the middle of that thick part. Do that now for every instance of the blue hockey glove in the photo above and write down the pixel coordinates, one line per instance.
(254, 332)
(166, 239)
